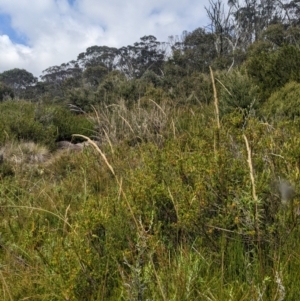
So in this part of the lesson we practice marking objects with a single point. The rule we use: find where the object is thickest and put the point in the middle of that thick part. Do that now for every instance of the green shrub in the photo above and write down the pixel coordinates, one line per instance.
(17, 121)
(194, 89)
(22, 120)
(64, 122)
(150, 77)
(271, 69)
(82, 98)
(237, 91)
(285, 103)
(109, 89)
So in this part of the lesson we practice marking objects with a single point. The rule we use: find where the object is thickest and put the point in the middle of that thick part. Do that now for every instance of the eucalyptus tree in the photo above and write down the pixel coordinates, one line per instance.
(93, 75)
(229, 36)
(252, 17)
(55, 77)
(18, 80)
(291, 11)
(220, 24)
(147, 54)
(5, 92)
(198, 50)
(243, 22)
(99, 56)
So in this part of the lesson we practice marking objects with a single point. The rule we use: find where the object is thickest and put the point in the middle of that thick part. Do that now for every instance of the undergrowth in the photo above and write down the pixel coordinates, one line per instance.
(163, 204)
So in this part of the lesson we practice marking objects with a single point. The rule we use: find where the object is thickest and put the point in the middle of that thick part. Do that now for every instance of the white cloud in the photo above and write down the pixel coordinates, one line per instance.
(57, 32)
(13, 54)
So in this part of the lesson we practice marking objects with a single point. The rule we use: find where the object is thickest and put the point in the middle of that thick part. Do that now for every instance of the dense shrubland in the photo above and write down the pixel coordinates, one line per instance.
(188, 185)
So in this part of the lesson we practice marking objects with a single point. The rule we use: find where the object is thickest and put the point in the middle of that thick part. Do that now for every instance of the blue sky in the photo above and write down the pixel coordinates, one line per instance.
(37, 34)
(7, 28)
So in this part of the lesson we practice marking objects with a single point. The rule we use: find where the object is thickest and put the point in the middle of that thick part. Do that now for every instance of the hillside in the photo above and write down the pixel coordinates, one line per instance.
(131, 174)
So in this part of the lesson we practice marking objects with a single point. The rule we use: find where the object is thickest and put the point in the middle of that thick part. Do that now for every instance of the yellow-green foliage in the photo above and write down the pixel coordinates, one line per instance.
(283, 104)
(17, 121)
(168, 218)
(271, 67)
(237, 91)
(22, 120)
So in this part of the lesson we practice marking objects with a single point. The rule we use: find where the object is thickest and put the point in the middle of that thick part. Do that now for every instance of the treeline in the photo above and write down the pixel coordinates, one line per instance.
(259, 38)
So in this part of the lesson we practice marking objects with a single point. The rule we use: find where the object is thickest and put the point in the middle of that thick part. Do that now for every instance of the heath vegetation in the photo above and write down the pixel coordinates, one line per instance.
(158, 171)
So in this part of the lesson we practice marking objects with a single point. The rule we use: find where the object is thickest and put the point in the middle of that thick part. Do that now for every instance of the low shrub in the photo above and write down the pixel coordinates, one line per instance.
(283, 104)
(44, 124)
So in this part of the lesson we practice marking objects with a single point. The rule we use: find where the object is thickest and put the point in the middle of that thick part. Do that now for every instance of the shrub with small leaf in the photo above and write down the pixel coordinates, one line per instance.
(283, 104)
